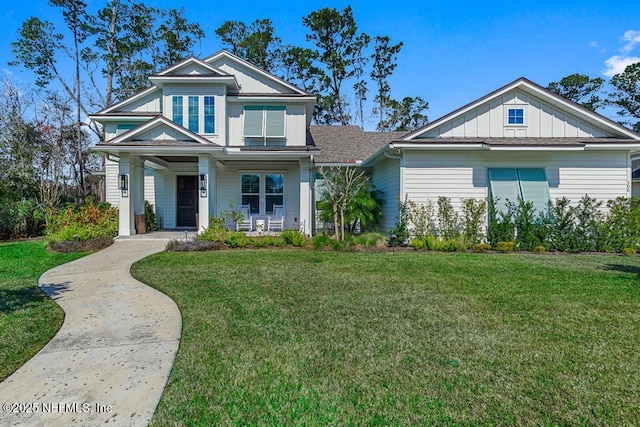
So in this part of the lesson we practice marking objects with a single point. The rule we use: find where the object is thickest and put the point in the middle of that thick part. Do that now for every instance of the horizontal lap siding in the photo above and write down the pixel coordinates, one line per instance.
(386, 177)
(112, 172)
(602, 175)
(228, 186)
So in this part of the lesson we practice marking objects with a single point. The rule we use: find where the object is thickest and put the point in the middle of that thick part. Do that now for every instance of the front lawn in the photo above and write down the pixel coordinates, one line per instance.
(28, 318)
(280, 337)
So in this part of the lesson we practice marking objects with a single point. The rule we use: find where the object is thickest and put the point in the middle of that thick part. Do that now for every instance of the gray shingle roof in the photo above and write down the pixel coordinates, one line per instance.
(347, 144)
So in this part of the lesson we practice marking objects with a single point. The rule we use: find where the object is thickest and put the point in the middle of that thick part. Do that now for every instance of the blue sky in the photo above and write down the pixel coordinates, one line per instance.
(454, 52)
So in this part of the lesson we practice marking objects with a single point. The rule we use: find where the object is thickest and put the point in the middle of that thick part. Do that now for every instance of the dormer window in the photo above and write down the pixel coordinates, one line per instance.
(264, 125)
(199, 110)
(515, 116)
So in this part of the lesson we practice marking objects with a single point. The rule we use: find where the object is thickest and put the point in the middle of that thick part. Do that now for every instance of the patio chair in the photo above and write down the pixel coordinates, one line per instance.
(246, 224)
(276, 221)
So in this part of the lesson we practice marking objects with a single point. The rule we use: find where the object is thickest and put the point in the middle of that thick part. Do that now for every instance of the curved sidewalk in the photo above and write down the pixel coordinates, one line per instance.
(110, 360)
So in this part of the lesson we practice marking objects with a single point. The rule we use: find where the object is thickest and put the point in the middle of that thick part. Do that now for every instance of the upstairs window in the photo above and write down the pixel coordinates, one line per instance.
(264, 125)
(529, 185)
(176, 109)
(209, 114)
(193, 114)
(515, 116)
(198, 110)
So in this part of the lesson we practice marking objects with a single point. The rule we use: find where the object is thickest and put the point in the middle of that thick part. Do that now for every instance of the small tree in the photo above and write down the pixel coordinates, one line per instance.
(342, 186)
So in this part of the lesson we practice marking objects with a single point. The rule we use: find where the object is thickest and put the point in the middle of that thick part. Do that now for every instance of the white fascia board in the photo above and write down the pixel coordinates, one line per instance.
(157, 122)
(534, 148)
(161, 80)
(621, 147)
(431, 146)
(132, 118)
(357, 163)
(191, 60)
(147, 150)
(259, 155)
(297, 99)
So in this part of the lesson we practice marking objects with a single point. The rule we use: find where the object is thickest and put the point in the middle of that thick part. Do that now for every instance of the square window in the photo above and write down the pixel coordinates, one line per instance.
(515, 116)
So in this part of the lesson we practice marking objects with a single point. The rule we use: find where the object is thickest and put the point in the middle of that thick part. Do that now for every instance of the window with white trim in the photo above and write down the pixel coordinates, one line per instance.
(515, 116)
(261, 191)
(264, 125)
(528, 184)
(199, 111)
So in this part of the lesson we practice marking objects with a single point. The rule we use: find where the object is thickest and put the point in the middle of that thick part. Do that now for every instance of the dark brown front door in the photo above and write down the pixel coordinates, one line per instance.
(187, 191)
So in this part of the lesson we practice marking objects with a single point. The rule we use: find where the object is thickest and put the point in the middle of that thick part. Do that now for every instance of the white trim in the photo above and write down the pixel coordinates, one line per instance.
(236, 99)
(622, 147)
(187, 61)
(158, 121)
(159, 81)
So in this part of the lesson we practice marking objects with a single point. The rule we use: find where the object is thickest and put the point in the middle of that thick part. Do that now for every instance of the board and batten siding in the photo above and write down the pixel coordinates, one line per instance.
(542, 120)
(386, 178)
(602, 175)
(229, 186)
(249, 80)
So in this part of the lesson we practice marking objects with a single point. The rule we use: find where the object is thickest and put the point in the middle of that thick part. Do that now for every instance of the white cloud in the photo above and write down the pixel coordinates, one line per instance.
(632, 38)
(616, 64)
(593, 44)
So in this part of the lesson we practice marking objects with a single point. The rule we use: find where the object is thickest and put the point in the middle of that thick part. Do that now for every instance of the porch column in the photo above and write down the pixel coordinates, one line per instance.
(137, 185)
(206, 192)
(125, 206)
(305, 197)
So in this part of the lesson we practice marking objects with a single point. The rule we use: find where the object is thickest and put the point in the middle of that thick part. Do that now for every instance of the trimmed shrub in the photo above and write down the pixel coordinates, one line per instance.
(481, 247)
(506, 246)
(629, 251)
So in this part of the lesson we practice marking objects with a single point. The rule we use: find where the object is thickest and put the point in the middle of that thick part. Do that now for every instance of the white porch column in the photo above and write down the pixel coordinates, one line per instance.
(125, 206)
(305, 197)
(206, 195)
(137, 184)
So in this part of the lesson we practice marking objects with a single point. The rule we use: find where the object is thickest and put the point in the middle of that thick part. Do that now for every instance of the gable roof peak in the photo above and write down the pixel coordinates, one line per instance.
(540, 92)
(225, 53)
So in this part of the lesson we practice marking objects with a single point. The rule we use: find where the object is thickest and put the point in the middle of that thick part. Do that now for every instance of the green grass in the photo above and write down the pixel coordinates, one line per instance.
(280, 337)
(28, 318)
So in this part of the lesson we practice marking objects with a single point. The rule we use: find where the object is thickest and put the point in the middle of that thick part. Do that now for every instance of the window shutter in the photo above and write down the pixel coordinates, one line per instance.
(275, 122)
(504, 186)
(253, 122)
(535, 189)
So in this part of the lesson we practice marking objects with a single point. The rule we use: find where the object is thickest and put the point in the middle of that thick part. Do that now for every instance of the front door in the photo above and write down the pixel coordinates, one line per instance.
(187, 193)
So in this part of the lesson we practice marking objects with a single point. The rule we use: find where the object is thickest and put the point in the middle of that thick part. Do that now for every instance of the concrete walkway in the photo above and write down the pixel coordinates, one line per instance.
(110, 360)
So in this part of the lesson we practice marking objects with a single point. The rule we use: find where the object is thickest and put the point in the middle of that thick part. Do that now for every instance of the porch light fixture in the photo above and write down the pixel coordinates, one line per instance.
(124, 184)
(203, 185)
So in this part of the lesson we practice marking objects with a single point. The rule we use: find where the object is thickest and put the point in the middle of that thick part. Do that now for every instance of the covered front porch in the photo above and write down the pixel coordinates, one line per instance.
(187, 189)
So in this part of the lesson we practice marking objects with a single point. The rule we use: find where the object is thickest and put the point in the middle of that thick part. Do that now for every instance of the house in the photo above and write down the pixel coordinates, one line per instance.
(207, 132)
(521, 140)
(216, 130)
